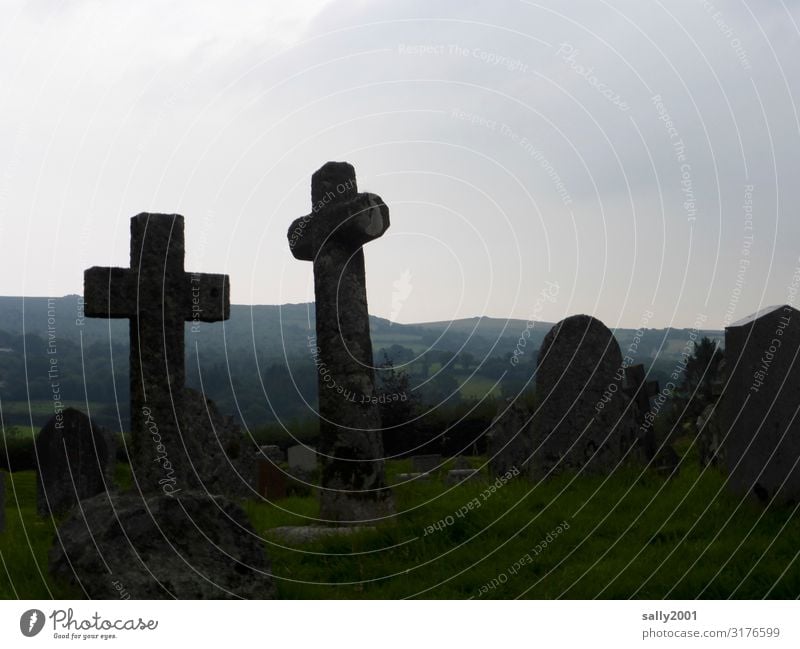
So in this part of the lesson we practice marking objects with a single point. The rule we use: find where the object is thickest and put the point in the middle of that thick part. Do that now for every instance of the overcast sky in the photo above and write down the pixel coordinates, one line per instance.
(519, 146)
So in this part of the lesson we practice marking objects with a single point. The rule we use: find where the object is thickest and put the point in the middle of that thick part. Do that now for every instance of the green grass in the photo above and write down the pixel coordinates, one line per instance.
(638, 537)
(25, 544)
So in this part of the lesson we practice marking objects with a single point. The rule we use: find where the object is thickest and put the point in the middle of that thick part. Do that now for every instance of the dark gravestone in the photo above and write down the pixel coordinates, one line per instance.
(760, 405)
(510, 442)
(639, 390)
(271, 480)
(158, 297)
(222, 459)
(331, 236)
(187, 546)
(426, 463)
(72, 457)
(583, 419)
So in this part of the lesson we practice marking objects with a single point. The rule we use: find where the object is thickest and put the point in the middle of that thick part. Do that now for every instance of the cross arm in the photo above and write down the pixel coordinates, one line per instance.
(107, 294)
(209, 297)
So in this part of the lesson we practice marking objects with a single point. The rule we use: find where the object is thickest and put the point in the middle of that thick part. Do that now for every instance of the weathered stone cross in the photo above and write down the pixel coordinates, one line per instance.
(332, 235)
(158, 297)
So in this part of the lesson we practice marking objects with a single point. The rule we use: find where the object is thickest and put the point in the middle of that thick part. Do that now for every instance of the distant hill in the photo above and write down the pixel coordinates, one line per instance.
(257, 365)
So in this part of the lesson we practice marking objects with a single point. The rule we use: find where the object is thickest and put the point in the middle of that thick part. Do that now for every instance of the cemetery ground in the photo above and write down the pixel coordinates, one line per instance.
(634, 534)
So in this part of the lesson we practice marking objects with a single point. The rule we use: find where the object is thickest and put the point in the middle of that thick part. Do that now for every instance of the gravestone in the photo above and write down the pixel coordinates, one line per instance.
(189, 546)
(510, 440)
(271, 480)
(426, 463)
(583, 421)
(760, 405)
(2, 501)
(341, 221)
(302, 458)
(72, 457)
(457, 476)
(272, 452)
(639, 390)
(222, 459)
(158, 297)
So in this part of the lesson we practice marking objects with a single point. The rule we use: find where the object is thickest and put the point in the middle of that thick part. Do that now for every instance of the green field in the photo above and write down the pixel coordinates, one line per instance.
(628, 536)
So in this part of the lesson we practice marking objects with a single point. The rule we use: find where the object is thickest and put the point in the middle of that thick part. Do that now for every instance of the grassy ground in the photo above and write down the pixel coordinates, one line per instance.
(628, 536)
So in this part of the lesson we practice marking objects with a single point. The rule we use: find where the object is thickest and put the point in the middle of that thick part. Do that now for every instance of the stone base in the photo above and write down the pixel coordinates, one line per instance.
(348, 508)
(187, 546)
(297, 535)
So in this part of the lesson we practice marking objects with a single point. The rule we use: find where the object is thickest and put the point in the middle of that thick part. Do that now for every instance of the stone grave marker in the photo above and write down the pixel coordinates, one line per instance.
(582, 419)
(510, 443)
(761, 423)
(639, 390)
(341, 221)
(302, 458)
(272, 452)
(271, 480)
(72, 457)
(426, 463)
(158, 297)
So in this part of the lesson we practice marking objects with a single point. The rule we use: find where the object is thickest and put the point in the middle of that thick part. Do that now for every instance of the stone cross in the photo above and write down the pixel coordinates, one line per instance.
(331, 236)
(158, 297)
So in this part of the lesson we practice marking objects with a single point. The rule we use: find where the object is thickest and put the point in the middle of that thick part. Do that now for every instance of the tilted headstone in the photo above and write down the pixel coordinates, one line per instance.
(583, 420)
(158, 297)
(761, 423)
(72, 456)
(426, 463)
(341, 221)
(510, 439)
(302, 457)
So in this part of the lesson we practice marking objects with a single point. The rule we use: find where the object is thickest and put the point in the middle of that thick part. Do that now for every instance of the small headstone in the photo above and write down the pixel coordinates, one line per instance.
(461, 463)
(271, 480)
(760, 416)
(510, 439)
(710, 436)
(72, 454)
(302, 458)
(457, 476)
(426, 463)
(272, 452)
(640, 391)
(582, 419)
(411, 477)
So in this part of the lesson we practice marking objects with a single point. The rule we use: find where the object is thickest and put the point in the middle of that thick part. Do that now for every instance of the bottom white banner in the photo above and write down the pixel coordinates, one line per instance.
(388, 624)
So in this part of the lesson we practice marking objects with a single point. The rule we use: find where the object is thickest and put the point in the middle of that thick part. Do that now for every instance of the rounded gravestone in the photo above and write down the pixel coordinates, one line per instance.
(187, 546)
(583, 421)
(72, 455)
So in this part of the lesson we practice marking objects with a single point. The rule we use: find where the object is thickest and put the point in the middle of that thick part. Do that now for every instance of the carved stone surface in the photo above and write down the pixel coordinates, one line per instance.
(72, 456)
(158, 297)
(342, 220)
(583, 420)
(187, 546)
(760, 405)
